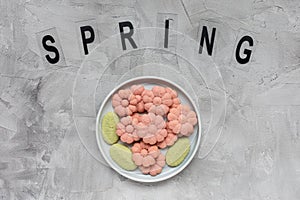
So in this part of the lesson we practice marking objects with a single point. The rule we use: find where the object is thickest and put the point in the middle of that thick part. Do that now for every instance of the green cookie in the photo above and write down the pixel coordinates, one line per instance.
(177, 153)
(109, 126)
(122, 156)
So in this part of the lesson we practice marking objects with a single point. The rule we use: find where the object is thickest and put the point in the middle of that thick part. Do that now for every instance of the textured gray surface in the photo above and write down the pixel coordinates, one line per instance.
(257, 156)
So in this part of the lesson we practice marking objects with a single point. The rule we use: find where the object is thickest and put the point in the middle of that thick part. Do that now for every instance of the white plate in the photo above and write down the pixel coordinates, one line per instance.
(167, 172)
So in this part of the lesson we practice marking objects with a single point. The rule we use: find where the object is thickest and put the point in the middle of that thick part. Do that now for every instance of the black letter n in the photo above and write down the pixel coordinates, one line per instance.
(209, 44)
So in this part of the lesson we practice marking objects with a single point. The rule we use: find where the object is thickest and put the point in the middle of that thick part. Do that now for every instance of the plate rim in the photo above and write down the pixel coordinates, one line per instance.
(98, 135)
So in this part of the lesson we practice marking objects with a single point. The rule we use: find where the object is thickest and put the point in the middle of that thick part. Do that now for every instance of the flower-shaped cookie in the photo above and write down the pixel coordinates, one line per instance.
(136, 98)
(175, 101)
(126, 130)
(151, 128)
(181, 120)
(147, 97)
(120, 103)
(149, 158)
(156, 99)
(169, 140)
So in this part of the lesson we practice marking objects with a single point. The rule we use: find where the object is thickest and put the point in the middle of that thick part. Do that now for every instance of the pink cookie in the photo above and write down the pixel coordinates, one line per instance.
(151, 128)
(174, 97)
(120, 103)
(155, 100)
(148, 158)
(138, 146)
(181, 120)
(169, 140)
(136, 98)
(147, 96)
(126, 130)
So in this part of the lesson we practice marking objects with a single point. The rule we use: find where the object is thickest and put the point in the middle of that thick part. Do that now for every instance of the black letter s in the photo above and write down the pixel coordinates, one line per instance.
(51, 49)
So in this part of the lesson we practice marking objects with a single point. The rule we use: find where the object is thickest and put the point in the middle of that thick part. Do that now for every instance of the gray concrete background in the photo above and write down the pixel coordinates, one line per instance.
(257, 156)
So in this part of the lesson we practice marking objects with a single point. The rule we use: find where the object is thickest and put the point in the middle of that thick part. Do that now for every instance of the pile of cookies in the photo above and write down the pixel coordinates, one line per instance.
(144, 122)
